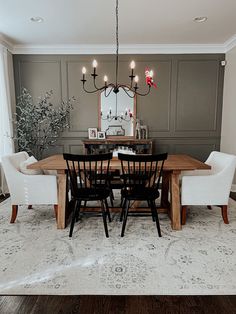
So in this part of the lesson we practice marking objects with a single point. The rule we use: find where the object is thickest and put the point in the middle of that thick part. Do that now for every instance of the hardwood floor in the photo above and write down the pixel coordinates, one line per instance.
(118, 304)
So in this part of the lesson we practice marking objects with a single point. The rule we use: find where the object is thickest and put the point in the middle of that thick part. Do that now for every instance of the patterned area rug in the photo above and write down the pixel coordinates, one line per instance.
(36, 258)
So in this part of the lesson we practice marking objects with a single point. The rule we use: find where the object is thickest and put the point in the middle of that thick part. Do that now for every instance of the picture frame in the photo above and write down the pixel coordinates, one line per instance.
(92, 133)
(101, 135)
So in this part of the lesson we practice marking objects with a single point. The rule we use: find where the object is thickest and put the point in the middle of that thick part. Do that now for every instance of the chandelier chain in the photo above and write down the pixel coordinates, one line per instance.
(117, 40)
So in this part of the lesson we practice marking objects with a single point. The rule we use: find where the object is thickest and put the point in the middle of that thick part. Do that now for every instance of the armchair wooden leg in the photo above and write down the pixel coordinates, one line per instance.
(14, 213)
(56, 210)
(224, 210)
(183, 215)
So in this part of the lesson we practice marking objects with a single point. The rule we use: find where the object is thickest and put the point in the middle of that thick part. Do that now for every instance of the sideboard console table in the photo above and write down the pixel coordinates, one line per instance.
(143, 146)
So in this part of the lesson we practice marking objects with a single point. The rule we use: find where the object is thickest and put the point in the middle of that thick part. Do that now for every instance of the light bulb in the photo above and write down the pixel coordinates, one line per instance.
(105, 78)
(136, 79)
(84, 70)
(151, 73)
(95, 64)
(132, 64)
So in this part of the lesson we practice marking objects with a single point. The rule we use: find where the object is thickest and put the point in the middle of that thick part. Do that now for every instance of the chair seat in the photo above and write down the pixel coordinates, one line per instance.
(140, 193)
(92, 194)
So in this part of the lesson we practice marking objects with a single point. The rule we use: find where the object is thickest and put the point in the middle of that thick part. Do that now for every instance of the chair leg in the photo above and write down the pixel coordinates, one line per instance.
(107, 211)
(14, 213)
(77, 212)
(76, 205)
(104, 216)
(153, 205)
(30, 207)
(56, 210)
(121, 202)
(183, 215)
(153, 214)
(224, 210)
(111, 200)
(209, 207)
(127, 203)
(122, 209)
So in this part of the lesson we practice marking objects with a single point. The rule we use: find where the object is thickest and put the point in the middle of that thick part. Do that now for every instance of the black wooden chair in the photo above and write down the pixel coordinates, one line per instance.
(141, 176)
(88, 176)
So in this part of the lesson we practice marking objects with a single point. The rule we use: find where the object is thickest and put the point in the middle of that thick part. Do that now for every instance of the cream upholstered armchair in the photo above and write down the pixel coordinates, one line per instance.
(28, 189)
(212, 188)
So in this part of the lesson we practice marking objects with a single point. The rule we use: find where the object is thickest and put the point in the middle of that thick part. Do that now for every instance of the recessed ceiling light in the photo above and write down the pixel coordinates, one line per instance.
(200, 19)
(37, 19)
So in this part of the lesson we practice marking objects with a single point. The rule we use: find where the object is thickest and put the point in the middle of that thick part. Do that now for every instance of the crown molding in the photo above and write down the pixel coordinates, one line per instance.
(230, 43)
(6, 43)
(123, 49)
(127, 49)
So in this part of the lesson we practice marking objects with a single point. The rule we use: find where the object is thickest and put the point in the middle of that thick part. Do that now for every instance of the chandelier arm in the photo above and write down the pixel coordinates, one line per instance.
(126, 91)
(112, 87)
(93, 91)
(145, 94)
(95, 86)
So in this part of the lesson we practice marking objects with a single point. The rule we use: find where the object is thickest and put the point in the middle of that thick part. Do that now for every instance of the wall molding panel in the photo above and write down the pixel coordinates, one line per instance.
(183, 114)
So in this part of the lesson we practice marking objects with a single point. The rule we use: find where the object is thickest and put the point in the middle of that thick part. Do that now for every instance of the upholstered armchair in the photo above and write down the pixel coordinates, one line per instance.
(213, 188)
(28, 189)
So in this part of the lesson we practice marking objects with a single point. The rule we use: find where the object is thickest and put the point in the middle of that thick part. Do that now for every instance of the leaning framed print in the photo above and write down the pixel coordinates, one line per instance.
(92, 133)
(101, 135)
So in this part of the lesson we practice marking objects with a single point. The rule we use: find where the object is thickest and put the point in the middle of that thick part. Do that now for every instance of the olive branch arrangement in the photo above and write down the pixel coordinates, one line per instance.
(38, 125)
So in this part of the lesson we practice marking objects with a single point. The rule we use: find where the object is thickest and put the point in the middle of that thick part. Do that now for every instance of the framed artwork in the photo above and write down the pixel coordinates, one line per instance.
(101, 135)
(92, 133)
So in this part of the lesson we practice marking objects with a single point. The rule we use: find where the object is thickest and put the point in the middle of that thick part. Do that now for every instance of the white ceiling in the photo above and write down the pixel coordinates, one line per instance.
(92, 22)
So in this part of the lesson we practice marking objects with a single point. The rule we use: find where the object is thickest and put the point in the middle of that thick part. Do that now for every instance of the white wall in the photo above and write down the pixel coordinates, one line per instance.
(228, 132)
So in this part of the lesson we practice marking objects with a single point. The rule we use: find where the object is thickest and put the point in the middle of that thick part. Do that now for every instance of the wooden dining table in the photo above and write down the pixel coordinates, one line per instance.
(173, 167)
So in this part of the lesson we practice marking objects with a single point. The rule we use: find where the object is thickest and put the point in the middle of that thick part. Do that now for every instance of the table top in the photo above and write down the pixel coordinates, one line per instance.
(173, 163)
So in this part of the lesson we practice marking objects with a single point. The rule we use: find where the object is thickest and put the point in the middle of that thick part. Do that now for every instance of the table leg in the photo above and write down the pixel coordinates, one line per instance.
(61, 182)
(165, 190)
(175, 201)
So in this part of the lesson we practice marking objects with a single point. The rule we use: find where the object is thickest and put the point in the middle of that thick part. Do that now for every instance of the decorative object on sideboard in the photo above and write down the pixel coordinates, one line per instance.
(101, 135)
(39, 124)
(141, 131)
(115, 130)
(92, 133)
(115, 87)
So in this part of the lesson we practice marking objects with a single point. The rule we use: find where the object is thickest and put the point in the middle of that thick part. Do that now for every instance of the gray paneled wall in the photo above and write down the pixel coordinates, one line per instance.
(183, 114)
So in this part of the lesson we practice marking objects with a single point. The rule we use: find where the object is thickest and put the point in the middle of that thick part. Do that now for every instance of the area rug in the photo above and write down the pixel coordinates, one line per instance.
(36, 258)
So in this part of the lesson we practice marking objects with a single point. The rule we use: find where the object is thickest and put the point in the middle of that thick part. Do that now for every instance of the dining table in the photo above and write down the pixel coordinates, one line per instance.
(170, 192)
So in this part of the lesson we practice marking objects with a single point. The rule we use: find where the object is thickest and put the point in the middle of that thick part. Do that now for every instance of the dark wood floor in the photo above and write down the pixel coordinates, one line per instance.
(118, 304)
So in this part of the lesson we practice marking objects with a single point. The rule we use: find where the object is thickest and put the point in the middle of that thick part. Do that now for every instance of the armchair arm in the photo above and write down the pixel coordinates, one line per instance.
(205, 190)
(34, 189)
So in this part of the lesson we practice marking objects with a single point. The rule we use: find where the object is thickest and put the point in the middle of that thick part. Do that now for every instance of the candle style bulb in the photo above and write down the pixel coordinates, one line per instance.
(136, 79)
(95, 64)
(151, 73)
(84, 70)
(132, 64)
(105, 78)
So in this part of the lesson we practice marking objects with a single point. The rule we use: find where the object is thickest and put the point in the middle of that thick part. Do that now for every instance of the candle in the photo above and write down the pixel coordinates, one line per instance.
(94, 66)
(132, 65)
(136, 79)
(105, 80)
(83, 72)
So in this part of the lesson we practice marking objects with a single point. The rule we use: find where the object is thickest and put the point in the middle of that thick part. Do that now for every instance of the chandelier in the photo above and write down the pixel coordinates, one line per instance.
(132, 89)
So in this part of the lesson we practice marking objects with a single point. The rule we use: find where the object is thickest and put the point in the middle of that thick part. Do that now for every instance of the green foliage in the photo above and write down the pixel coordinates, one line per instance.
(38, 125)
